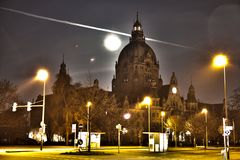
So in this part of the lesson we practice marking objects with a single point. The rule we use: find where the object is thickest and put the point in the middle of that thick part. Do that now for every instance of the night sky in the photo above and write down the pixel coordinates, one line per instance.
(205, 26)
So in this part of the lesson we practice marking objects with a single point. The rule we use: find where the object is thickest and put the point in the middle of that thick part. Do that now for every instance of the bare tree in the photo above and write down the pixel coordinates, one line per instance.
(176, 124)
(7, 94)
(234, 101)
(195, 125)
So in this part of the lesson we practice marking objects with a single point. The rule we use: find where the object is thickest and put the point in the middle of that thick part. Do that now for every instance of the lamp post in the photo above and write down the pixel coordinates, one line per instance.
(147, 101)
(205, 111)
(123, 130)
(89, 104)
(219, 61)
(42, 75)
(162, 118)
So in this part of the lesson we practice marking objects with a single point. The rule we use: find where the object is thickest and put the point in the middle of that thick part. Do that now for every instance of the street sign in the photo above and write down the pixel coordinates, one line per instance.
(74, 126)
(229, 128)
(80, 126)
(227, 132)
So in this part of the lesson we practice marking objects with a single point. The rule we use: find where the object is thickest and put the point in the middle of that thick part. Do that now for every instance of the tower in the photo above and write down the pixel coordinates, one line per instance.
(137, 69)
(191, 102)
(63, 80)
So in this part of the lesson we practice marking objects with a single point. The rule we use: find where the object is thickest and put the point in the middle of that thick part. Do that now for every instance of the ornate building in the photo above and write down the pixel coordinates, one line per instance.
(137, 69)
(137, 75)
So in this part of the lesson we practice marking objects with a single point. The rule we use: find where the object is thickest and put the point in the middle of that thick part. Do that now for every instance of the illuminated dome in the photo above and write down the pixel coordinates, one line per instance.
(137, 69)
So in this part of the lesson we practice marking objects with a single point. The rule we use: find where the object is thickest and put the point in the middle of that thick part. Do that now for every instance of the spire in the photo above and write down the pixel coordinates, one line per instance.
(173, 79)
(137, 25)
(137, 32)
(191, 94)
(63, 80)
(137, 16)
(63, 67)
(191, 80)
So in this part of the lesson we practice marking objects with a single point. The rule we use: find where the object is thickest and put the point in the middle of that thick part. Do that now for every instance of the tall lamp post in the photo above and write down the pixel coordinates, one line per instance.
(220, 61)
(42, 75)
(205, 111)
(89, 104)
(147, 101)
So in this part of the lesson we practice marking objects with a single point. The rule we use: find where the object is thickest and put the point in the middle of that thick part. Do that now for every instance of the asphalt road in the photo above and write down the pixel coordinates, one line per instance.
(126, 153)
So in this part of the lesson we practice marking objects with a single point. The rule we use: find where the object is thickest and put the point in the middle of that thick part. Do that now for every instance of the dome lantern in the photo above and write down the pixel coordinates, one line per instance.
(137, 32)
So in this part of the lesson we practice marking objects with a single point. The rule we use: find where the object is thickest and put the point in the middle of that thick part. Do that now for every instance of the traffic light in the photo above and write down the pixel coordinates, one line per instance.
(14, 107)
(29, 105)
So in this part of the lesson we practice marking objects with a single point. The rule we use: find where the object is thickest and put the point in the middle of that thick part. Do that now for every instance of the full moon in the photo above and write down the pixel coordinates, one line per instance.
(112, 42)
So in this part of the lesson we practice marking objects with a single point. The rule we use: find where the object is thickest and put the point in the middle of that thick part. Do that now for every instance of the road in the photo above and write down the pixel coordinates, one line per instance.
(127, 153)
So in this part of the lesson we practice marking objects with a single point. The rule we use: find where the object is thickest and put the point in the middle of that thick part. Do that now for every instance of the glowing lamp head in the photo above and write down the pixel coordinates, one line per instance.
(124, 130)
(147, 101)
(163, 113)
(220, 60)
(119, 126)
(89, 104)
(127, 116)
(204, 111)
(42, 75)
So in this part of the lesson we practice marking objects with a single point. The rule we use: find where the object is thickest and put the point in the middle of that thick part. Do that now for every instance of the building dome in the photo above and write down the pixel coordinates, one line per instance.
(137, 69)
(137, 51)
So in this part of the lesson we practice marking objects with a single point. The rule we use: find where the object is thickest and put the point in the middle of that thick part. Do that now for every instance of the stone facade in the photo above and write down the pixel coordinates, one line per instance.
(137, 69)
(137, 75)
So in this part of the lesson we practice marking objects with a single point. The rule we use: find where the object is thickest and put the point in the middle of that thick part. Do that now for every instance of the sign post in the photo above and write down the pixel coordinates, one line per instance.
(74, 126)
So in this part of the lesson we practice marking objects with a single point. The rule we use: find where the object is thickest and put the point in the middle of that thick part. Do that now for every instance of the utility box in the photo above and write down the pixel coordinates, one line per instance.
(158, 142)
(95, 139)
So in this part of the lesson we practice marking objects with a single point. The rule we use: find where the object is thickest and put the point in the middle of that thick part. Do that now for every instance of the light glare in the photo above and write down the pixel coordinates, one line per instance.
(127, 115)
(42, 75)
(163, 113)
(204, 110)
(89, 104)
(147, 101)
(174, 90)
(220, 60)
(112, 42)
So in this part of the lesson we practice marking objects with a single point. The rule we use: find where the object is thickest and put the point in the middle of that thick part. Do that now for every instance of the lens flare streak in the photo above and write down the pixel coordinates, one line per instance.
(90, 27)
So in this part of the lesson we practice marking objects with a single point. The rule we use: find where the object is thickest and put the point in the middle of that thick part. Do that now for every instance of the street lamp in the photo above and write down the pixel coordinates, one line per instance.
(147, 101)
(42, 75)
(205, 111)
(89, 104)
(127, 116)
(162, 118)
(219, 61)
(120, 129)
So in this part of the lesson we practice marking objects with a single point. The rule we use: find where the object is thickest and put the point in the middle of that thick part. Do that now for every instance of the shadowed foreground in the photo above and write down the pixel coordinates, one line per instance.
(50, 153)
